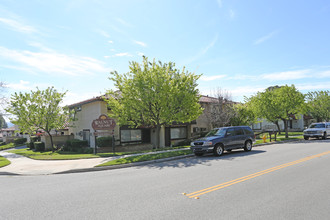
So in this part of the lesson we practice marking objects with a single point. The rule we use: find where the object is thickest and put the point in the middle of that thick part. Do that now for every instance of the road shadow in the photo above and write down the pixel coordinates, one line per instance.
(202, 160)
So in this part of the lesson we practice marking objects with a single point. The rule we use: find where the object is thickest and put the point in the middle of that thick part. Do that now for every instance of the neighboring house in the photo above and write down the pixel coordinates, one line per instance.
(9, 134)
(295, 124)
(92, 109)
(203, 123)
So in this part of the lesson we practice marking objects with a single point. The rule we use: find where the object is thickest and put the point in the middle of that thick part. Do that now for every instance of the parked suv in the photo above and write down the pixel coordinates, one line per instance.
(227, 138)
(321, 129)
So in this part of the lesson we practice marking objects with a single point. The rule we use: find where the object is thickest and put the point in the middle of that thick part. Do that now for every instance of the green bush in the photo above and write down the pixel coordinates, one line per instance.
(31, 145)
(183, 143)
(39, 146)
(18, 141)
(75, 145)
(104, 141)
(34, 139)
(2, 143)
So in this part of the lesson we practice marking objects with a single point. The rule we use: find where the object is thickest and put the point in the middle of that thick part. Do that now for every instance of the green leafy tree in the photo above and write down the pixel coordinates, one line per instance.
(318, 104)
(279, 103)
(39, 110)
(154, 94)
(242, 115)
(262, 106)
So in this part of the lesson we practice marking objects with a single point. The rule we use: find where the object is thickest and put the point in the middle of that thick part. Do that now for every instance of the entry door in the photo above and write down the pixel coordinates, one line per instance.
(86, 136)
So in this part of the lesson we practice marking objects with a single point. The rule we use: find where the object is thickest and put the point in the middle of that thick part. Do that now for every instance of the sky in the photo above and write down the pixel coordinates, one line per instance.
(239, 46)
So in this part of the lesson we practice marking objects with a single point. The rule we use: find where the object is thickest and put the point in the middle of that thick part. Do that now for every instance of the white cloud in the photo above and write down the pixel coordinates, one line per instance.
(110, 41)
(314, 86)
(140, 43)
(211, 78)
(103, 33)
(140, 54)
(202, 52)
(265, 38)
(22, 85)
(123, 22)
(288, 75)
(324, 74)
(27, 86)
(123, 55)
(17, 25)
(55, 63)
(71, 97)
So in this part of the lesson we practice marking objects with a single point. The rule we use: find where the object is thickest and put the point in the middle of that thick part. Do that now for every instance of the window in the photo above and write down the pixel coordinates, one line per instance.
(239, 131)
(179, 133)
(130, 135)
(230, 132)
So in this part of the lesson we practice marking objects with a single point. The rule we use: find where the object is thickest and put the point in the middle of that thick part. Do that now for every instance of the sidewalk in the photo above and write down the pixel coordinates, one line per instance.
(21, 165)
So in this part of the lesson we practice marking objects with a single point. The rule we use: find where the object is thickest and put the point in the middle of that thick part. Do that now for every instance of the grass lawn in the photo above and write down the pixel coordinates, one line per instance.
(4, 161)
(7, 146)
(281, 137)
(60, 155)
(146, 157)
(49, 155)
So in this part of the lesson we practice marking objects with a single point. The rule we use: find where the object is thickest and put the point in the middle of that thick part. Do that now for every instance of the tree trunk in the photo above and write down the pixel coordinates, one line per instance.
(51, 141)
(278, 127)
(286, 128)
(157, 136)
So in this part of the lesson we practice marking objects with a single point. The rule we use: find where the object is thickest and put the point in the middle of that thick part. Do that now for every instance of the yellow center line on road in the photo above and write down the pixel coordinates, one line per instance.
(242, 179)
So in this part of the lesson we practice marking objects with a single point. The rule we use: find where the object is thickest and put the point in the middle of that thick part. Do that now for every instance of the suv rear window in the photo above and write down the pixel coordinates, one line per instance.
(248, 131)
(239, 131)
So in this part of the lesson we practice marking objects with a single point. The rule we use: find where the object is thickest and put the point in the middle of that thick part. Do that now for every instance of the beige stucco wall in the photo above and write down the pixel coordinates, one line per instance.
(84, 119)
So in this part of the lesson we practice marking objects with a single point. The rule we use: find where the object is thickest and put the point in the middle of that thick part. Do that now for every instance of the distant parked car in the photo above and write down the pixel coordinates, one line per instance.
(321, 129)
(227, 138)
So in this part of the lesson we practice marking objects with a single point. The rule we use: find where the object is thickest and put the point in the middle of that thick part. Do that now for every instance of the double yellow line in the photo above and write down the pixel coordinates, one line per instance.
(244, 178)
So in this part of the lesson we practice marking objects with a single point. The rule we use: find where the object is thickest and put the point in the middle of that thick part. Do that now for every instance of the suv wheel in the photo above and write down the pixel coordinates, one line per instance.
(199, 154)
(218, 150)
(306, 138)
(248, 146)
(324, 136)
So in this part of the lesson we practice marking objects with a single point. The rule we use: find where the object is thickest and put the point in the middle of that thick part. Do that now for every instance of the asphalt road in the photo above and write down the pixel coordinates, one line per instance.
(282, 181)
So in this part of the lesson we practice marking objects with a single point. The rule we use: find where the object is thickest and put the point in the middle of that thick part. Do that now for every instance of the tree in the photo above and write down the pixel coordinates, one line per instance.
(221, 110)
(154, 94)
(39, 110)
(262, 106)
(3, 123)
(279, 103)
(242, 115)
(318, 104)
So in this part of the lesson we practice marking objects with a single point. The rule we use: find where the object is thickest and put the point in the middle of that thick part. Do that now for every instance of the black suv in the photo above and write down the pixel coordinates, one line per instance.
(226, 138)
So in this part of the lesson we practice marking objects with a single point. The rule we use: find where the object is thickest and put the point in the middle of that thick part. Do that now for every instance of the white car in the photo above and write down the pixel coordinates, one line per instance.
(317, 130)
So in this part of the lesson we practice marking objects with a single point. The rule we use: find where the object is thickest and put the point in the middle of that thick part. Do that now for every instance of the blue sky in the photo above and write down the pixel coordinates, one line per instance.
(239, 46)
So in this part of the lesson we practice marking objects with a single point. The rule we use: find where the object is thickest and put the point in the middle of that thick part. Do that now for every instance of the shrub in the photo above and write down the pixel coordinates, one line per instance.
(104, 141)
(2, 143)
(34, 138)
(75, 144)
(39, 146)
(183, 143)
(18, 141)
(31, 145)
